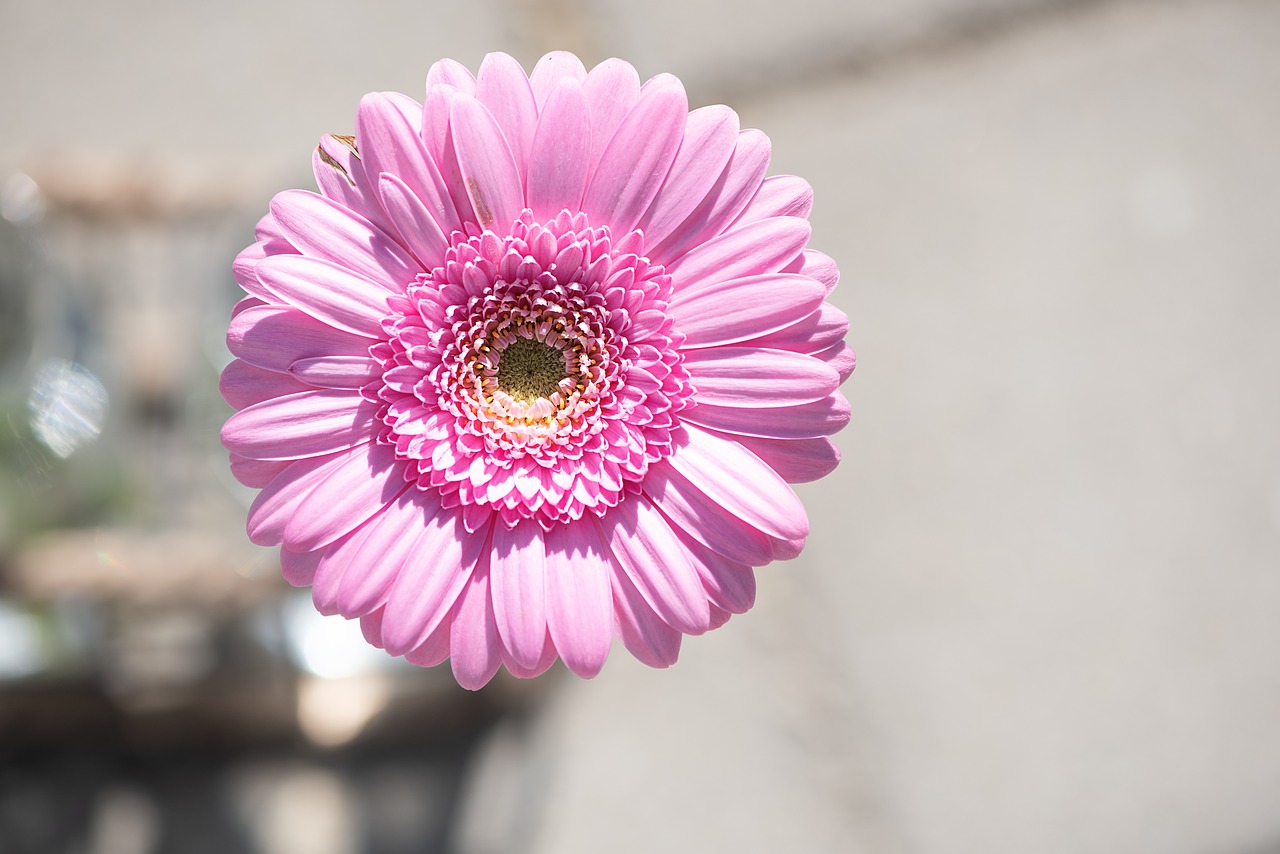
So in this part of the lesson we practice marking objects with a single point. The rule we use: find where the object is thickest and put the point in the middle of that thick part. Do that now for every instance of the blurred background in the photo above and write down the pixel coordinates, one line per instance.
(1040, 608)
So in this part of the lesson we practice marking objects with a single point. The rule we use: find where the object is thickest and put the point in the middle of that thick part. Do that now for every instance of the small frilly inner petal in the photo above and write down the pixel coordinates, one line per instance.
(536, 374)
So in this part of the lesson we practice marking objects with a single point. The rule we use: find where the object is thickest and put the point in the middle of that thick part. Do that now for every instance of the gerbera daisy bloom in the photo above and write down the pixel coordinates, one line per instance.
(534, 369)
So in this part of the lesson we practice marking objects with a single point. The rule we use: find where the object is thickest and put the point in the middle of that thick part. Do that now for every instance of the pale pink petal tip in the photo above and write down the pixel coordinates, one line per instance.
(535, 368)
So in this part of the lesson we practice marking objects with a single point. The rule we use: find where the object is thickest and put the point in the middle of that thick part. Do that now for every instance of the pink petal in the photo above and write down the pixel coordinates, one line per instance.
(327, 292)
(726, 199)
(612, 88)
(429, 583)
(382, 548)
(755, 377)
(710, 136)
(417, 224)
(450, 72)
(387, 126)
(693, 513)
(780, 195)
(551, 71)
(646, 548)
(841, 358)
(474, 645)
(326, 230)
(643, 632)
(745, 308)
(636, 161)
(539, 667)
(273, 506)
(502, 87)
(245, 270)
(819, 331)
(243, 384)
(256, 473)
(808, 421)
(274, 337)
(299, 569)
(559, 158)
(362, 485)
(517, 578)
(487, 166)
(579, 596)
(816, 265)
(729, 585)
(351, 372)
(340, 174)
(306, 424)
(435, 649)
(795, 460)
(736, 479)
(749, 250)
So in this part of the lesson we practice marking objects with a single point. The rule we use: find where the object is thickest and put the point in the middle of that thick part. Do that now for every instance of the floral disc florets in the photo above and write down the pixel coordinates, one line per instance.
(537, 374)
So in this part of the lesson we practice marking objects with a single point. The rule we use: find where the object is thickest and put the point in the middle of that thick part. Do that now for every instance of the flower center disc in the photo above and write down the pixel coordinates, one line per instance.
(529, 369)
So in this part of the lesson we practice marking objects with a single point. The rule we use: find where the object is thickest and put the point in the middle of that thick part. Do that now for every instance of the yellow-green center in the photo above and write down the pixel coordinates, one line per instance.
(528, 369)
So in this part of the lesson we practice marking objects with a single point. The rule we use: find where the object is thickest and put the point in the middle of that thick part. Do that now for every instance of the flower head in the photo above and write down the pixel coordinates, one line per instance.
(534, 368)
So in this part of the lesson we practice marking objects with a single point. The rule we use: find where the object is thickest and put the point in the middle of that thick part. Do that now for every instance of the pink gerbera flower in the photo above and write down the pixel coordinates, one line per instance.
(535, 368)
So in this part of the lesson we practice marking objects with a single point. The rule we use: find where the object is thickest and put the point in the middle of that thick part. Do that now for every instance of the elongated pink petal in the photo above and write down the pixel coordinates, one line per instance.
(418, 223)
(299, 568)
(340, 173)
(735, 188)
(612, 88)
(366, 482)
(306, 424)
(437, 136)
(256, 473)
(710, 136)
(559, 158)
(328, 292)
(273, 507)
(700, 517)
(450, 72)
(539, 667)
(488, 168)
(326, 230)
(382, 548)
(551, 71)
(517, 579)
(350, 372)
(274, 337)
(736, 478)
(823, 418)
(841, 358)
(729, 585)
(474, 645)
(819, 331)
(760, 247)
(795, 460)
(245, 271)
(645, 635)
(429, 583)
(644, 545)
(780, 195)
(579, 596)
(745, 308)
(755, 376)
(502, 87)
(638, 158)
(435, 649)
(243, 384)
(391, 143)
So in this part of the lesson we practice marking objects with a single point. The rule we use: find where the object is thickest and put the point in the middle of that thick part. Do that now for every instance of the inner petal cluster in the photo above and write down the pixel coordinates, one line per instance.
(536, 375)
